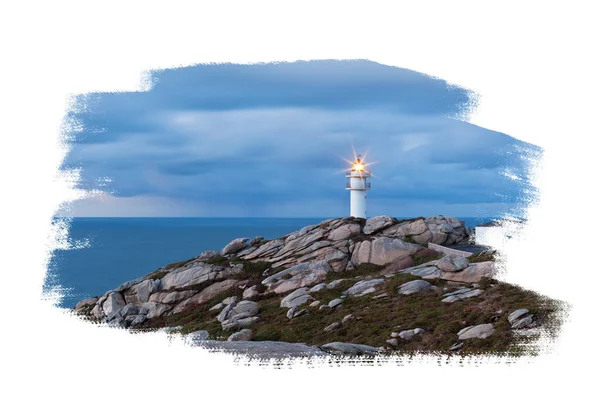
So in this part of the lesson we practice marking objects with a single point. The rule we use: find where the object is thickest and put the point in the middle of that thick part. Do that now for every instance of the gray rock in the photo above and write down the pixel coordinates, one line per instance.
(410, 333)
(256, 240)
(155, 309)
(243, 309)
(86, 303)
(244, 334)
(137, 320)
(244, 322)
(385, 250)
(479, 331)
(452, 263)
(216, 307)
(377, 223)
(415, 287)
(294, 312)
(266, 249)
(128, 310)
(207, 294)
(515, 315)
(464, 294)
(207, 255)
(195, 338)
(303, 274)
(456, 346)
(446, 228)
(172, 297)
(348, 318)
(314, 303)
(334, 284)
(522, 323)
(335, 302)
(234, 246)
(183, 277)
(223, 314)
(473, 273)
(230, 300)
(113, 303)
(344, 232)
(323, 307)
(364, 287)
(392, 342)
(361, 253)
(250, 293)
(334, 326)
(296, 298)
(349, 349)
(264, 349)
(318, 288)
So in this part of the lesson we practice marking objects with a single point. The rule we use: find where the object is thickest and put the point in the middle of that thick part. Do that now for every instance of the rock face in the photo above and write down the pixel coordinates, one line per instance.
(234, 246)
(377, 223)
(293, 271)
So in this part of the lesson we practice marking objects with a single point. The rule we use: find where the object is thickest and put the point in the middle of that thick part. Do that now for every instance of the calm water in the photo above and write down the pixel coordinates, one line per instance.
(121, 249)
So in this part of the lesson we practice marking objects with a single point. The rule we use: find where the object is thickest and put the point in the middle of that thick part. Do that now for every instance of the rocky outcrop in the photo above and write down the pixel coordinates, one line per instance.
(302, 273)
(473, 273)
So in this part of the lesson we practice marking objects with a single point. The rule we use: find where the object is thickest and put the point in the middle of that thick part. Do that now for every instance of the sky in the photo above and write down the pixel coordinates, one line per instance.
(272, 140)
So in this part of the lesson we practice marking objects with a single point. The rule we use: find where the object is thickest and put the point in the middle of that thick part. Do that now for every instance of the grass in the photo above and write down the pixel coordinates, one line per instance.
(480, 257)
(376, 319)
(426, 255)
(362, 269)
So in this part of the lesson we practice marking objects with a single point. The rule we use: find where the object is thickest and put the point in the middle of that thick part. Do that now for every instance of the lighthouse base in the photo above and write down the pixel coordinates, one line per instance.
(358, 203)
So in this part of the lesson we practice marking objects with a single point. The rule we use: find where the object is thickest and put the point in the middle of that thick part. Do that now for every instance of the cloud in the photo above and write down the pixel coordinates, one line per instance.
(277, 133)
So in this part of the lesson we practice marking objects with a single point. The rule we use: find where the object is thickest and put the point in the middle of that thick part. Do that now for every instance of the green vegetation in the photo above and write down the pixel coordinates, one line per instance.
(362, 269)
(376, 319)
(480, 257)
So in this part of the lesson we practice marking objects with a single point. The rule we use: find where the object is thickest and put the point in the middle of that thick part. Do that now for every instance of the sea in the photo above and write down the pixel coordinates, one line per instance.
(117, 250)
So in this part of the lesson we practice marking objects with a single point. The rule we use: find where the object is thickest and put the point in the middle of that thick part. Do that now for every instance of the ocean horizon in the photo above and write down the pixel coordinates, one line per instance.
(113, 250)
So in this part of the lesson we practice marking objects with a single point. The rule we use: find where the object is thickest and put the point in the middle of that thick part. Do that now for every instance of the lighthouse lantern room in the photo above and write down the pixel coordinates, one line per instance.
(356, 183)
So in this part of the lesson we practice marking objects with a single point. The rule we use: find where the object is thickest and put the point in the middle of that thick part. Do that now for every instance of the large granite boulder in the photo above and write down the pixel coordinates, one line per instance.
(234, 246)
(344, 232)
(377, 223)
(385, 250)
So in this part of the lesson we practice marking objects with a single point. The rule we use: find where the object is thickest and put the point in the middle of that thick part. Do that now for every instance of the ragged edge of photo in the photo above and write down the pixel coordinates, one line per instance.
(535, 78)
(229, 211)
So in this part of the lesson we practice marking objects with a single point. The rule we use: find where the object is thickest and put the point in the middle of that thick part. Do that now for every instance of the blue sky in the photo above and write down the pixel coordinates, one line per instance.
(268, 140)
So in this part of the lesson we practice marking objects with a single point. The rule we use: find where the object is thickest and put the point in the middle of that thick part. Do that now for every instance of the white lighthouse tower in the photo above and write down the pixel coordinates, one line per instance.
(356, 183)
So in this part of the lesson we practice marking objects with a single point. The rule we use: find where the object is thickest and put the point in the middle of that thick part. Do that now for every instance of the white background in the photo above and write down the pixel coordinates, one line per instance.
(533, 63)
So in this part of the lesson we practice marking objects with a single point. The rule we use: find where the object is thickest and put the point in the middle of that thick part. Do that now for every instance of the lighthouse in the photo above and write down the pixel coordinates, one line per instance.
(356, 183)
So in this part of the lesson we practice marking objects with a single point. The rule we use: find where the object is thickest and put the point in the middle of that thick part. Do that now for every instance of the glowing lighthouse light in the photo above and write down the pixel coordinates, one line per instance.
(356, 183)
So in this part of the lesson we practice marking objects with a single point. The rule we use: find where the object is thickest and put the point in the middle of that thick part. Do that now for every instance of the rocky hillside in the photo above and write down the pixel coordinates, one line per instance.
(346, 286)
